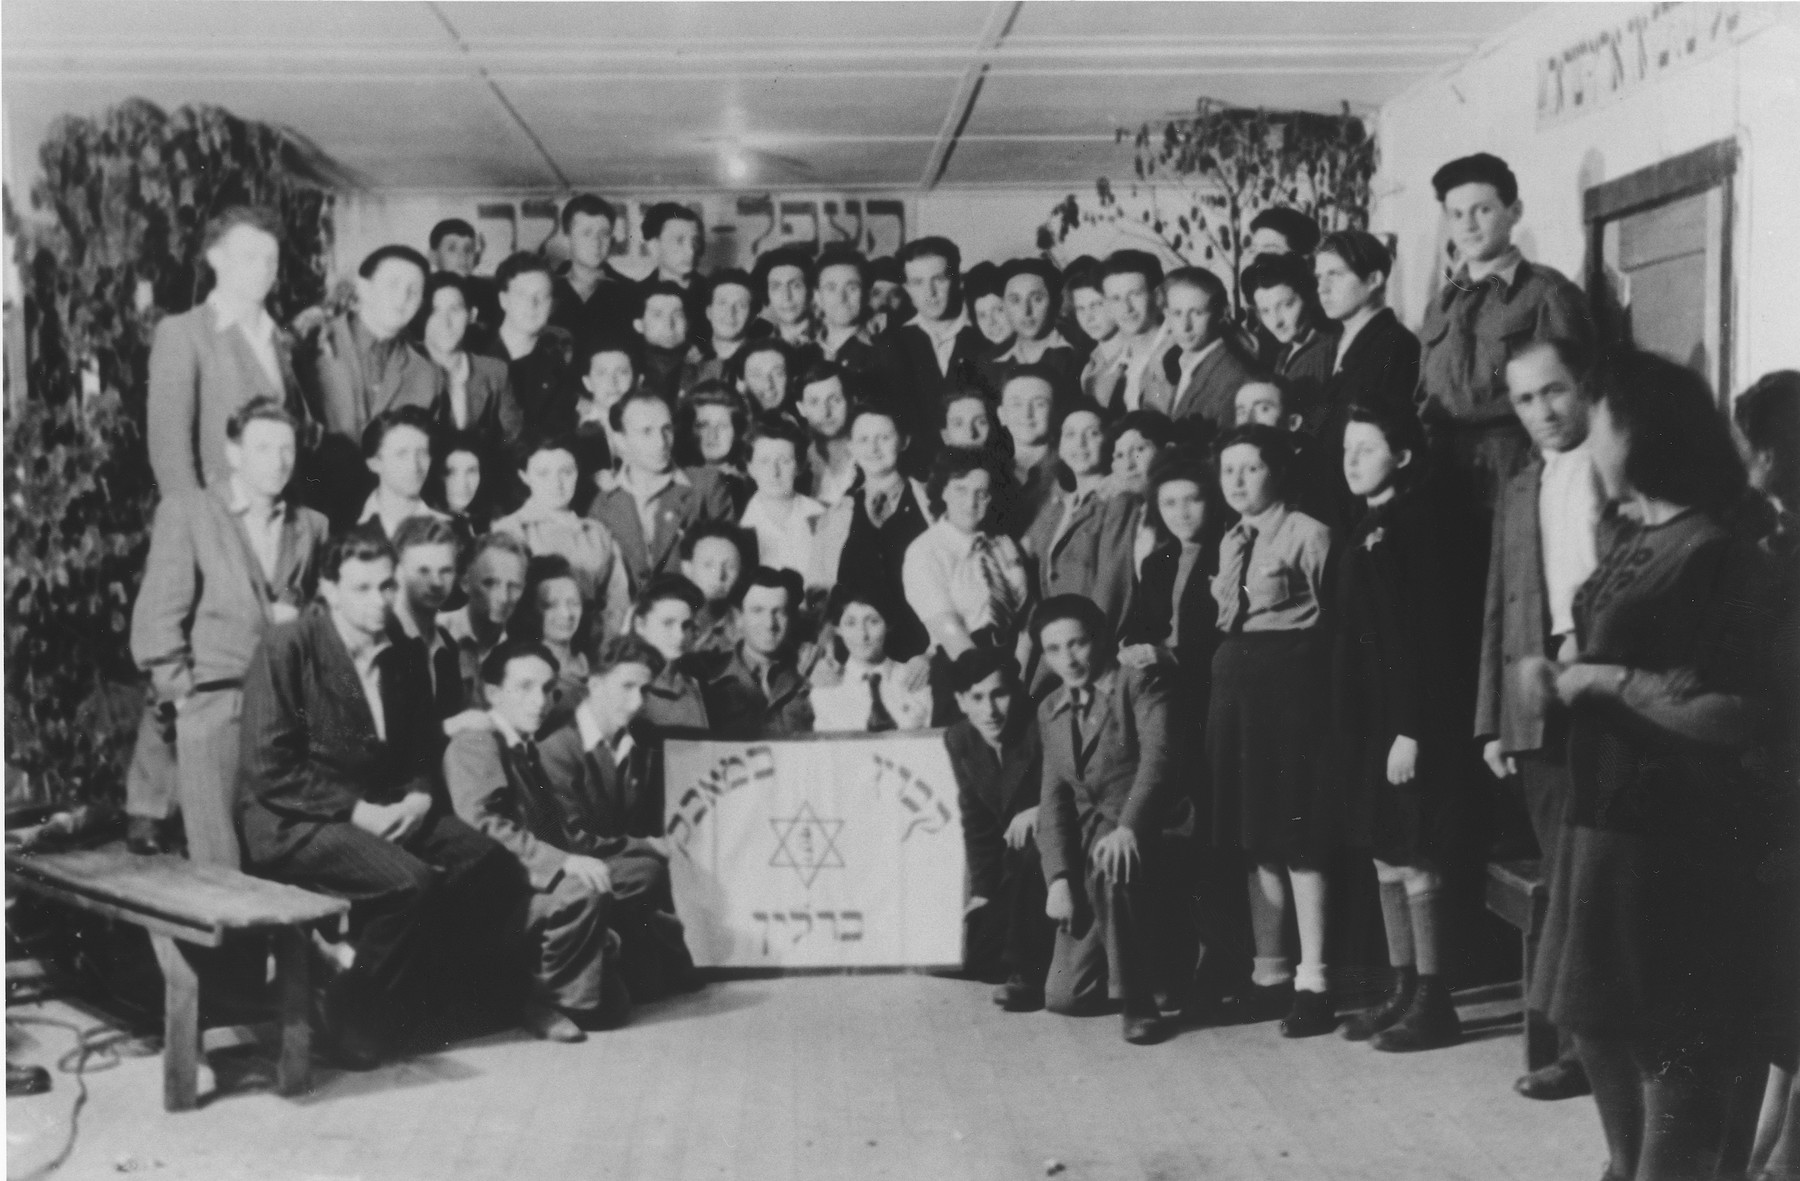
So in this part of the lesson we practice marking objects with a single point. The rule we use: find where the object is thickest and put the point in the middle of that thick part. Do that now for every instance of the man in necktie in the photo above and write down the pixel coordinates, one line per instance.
(497, 783)
(1107, 799)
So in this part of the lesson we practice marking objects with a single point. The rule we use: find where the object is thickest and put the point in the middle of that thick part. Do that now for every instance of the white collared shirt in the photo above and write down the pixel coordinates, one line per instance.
(1055, 340)
(592, 735)
(1191, 361)
(363, 659)
(784, 543)
(1135, 355)
(942, 334)
(458, 373)
(259, 334)
(265, 534)
(378, 508)
(845, 706)
(1568, 513)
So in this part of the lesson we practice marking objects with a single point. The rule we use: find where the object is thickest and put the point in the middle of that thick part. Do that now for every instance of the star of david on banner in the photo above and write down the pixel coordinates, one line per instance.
(807, 844)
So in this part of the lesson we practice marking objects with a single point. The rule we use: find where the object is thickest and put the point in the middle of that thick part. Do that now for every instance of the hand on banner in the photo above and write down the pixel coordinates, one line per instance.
(1022, 828)
(1059, 903)
(1116, 854)
(591, 870)
(975, 903)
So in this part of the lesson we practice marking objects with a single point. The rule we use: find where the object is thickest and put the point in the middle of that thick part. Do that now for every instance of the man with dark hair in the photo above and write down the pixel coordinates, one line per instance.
(714, 558)
(846, 335)
(1087, 321)
(664, 618)
(784, 280)
(677, 240)
(888, 302)
(997, 757)
(590, 298)
(338, 792)
(208, 361)
(456, 250)
(427, 553)
(1126, 368)
(1201, 367)
(1544, 547)
(1495, 300)
(671, 361)
(360, 364)
(498, 785)
(227, 562)
(649, 503)
(731, 302)
(1108, 794)
(604, 776)
(539, 358)
(397, 449)
(760, 691)
(938, 347)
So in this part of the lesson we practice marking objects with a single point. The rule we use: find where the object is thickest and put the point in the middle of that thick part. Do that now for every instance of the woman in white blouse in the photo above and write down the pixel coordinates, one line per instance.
(872, 692)
(967, 583)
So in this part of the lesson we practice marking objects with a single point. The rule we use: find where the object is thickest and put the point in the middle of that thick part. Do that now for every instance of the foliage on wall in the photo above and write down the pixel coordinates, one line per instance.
(111, 244)
(1200, 179)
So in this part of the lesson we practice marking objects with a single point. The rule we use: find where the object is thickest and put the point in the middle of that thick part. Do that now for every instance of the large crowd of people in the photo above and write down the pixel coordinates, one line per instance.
(1200, 597)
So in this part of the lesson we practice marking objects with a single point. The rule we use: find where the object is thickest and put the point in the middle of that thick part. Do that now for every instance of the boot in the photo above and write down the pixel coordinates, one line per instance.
(1430, 1022)
(1369, 1022)
(1312, 1015)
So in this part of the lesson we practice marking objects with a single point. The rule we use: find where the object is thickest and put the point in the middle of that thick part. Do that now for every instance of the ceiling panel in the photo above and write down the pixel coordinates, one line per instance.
(1129, 19)
(701, 26)
(1028, 164)
(197, 25)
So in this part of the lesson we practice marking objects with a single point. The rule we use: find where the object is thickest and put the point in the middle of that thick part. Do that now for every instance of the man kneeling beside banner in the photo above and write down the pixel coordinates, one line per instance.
(828, 852)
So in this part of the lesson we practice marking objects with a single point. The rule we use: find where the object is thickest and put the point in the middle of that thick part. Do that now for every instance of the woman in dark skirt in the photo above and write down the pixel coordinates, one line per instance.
(1267, 713)
(1401, 716)
(1658, 944)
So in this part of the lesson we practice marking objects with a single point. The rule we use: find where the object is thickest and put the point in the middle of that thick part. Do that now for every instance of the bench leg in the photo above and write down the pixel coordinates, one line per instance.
(293, 1071)
(181, 1025)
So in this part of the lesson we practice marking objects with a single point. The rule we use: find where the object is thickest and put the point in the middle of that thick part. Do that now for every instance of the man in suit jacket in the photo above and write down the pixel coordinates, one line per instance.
(759, 690)
(226, 562)
(339, 792)
(1124, 372)
(650, 503)
(997, 758)
(358, 365)
(208, 362)
(1081, 542)
(497, 784)
(427, 553)
(607, 803)
(923, 358)
(1204, 371)
(1107, 795)
(1543, 549)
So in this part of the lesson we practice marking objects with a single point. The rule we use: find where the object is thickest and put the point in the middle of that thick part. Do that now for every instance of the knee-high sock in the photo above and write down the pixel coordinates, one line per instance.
(1268, 903)
(1309, 914)
(1425, 908)
(1397, 918)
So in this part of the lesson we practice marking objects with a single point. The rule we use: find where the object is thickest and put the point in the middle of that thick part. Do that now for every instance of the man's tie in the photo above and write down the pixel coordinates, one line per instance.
(1116, 399)
(1000, 592)
(1235, 566)
(1077, 709)
(879, 508)
(879, 717)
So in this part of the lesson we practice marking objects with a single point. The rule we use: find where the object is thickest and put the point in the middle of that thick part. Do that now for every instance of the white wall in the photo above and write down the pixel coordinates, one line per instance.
(1750, 91)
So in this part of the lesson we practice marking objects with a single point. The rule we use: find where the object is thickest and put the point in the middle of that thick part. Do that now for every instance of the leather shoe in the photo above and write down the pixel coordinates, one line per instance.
(348, 1036)
(549, 1024)
(1360, 1027)
(1312, 1015)
(1144, 1025)
(1565, 1078)
(1019, 996)
(26, 1079)
(1430, 1022)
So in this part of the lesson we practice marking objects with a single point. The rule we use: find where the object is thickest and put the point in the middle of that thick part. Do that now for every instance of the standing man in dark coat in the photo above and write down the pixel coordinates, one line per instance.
(998, 761)
(338, 792)
(923, 358)
(1544, 547)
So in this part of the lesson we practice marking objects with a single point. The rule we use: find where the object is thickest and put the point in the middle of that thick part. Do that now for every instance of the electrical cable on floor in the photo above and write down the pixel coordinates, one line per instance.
(88, 1044)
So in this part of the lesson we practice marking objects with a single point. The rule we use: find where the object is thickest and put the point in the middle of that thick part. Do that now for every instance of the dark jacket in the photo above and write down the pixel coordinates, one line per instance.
(495, 791)
(739, 708)
(1092, 557)
(695, 494)
(603, 808)
(1210, 391)
(911, 377)
(994, 789)
(1515, 616)
(1152, 612)
(1380, 371)
(310, 749)
(1469, 328)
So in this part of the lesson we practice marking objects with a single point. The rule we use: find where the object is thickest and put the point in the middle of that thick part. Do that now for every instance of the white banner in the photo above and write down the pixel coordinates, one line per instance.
(841, 851)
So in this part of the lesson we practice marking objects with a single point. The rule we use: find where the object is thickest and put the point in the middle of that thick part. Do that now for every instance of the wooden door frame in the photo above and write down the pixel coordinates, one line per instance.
(1711, 166)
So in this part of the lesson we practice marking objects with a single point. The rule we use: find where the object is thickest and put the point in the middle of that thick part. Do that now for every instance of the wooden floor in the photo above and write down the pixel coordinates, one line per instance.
(837, 1078)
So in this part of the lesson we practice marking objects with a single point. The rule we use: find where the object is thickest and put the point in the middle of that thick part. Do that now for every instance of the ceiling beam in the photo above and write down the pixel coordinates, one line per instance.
(512, 112)
(1000, 22)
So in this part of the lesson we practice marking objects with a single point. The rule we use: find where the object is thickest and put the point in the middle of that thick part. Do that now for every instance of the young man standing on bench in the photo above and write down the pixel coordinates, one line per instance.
(339, 793)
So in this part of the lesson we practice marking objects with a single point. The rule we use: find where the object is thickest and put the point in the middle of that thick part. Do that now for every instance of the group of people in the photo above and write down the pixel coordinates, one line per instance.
(1200, 597)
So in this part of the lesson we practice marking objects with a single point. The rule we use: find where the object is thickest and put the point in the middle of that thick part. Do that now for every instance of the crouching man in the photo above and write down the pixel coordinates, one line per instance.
(1107, 798)
(338, 792)
(497, 783)
(607, 806)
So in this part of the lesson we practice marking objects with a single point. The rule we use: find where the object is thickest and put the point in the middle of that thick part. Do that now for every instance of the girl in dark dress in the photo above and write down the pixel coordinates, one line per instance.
(1401, 717)
(1266, 716)
(1659, 953)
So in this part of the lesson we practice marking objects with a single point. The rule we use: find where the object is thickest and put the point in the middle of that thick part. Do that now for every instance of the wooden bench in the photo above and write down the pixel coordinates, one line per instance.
(1516, 892)
(179, 901)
